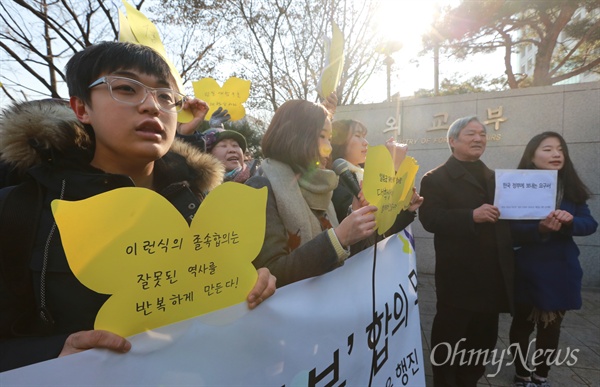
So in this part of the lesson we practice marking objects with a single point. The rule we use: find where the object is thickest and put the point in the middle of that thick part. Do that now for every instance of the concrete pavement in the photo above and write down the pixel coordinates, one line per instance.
(580, 330)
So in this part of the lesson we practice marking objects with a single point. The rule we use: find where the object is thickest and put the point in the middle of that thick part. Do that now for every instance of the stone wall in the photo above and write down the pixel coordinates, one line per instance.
(512, 118)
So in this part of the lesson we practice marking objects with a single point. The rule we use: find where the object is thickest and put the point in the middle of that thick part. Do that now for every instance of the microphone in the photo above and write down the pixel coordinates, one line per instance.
(341, 168)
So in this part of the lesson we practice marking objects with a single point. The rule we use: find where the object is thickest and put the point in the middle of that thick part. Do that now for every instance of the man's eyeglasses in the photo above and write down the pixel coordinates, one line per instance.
(132, 92)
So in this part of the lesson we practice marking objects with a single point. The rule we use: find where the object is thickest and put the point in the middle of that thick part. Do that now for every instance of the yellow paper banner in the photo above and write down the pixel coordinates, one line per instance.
(125, 33)
(134, 245)
(136, 28)
(388, 190)
(334, 64)
(231, 96)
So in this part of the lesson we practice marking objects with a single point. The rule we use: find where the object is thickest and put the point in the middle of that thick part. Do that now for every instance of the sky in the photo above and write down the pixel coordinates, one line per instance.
(406, 21)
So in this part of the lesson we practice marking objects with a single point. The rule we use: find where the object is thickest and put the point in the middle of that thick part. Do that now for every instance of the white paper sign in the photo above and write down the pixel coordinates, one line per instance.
(356, 326)
(525, 193)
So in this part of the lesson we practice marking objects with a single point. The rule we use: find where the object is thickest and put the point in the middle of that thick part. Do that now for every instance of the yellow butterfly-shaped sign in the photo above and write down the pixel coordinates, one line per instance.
(134, 245)
(136, 28)
(231, 96)
(390, 191)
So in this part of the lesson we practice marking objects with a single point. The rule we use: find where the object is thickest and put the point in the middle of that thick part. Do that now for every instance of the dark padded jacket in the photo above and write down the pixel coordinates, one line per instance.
(46, 140)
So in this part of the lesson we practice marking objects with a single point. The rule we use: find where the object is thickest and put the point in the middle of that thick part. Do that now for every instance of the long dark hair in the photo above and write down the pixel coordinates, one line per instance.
(574, 188)
(342, 131)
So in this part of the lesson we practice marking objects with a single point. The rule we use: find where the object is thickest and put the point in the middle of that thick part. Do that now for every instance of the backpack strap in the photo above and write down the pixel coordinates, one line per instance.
(20, 209)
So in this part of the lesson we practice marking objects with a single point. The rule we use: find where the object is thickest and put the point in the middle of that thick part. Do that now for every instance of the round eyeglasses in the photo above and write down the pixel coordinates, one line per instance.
(132, 92)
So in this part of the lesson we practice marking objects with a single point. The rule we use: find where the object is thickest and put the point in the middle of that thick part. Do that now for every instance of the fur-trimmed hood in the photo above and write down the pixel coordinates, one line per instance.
(34, 132)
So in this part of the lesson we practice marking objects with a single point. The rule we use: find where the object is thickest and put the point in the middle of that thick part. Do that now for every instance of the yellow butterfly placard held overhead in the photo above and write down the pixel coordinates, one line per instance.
(231, 96)
(134, 245)
(334, 62)
(385, 188)
(137, 28)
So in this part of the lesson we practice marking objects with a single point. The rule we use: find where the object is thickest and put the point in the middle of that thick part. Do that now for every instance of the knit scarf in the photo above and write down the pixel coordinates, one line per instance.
(358, 171)
(238, 175)
(302, 199)
(545, 317)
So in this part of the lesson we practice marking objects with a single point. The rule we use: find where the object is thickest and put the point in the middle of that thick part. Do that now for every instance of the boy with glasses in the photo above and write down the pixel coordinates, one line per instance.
(125, 101)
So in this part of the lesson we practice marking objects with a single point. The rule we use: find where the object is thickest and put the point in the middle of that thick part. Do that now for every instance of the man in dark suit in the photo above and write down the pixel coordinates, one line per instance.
(474, 258)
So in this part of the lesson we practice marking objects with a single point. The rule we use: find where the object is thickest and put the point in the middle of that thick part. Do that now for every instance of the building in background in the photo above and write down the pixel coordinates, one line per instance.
(526, 55)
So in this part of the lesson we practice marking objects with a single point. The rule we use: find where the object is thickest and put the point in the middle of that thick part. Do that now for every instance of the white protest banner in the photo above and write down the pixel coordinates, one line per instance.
(525, 193)
(357, 326)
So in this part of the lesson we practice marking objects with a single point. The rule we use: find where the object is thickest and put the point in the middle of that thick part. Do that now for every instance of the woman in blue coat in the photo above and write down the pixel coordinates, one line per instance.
(548, 274)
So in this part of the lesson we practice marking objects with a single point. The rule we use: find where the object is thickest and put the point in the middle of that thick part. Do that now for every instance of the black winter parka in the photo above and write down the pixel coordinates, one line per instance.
(45, 139)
